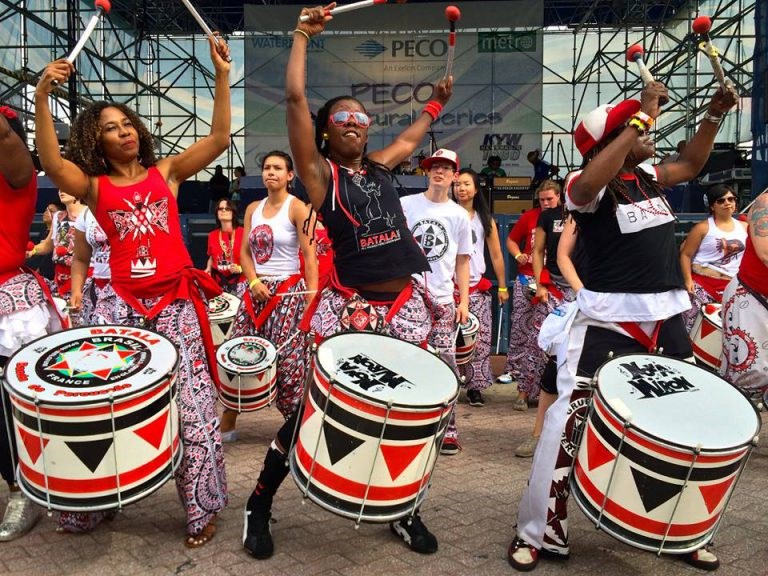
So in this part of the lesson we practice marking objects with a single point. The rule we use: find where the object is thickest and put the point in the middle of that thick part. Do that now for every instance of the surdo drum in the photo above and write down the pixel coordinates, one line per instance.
(466, 339)
(247, 365)
(95, 416)
(221, 313)
(663, 446)
(374, 417)
(707, 335)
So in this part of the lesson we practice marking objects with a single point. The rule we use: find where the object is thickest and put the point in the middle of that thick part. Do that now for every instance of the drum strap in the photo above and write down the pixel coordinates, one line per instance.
(712, 286)
(546, 280)
(755, 294)
(271, 304)
(634, 330)
(46, 293)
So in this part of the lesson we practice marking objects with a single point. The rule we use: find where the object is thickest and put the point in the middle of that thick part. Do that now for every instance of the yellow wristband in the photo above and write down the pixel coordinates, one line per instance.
(34, 251)
(502, 289)
(518, 256)
(253, 282)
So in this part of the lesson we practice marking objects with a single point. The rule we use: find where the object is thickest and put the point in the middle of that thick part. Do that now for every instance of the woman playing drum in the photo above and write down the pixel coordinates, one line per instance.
(374, 252)
(110, 164)
(712, 251)
(275, 231)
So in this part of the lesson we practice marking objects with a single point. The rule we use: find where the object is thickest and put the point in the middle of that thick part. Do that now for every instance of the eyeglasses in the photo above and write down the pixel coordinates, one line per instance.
(725, 199)
(224, 209)
(341, 117)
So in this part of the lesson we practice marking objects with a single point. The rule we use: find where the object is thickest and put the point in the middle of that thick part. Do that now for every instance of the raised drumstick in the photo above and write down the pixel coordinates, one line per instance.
(635, 54)
(203, 24)
(102, 7)
(453, 14)
(702, 26)
(350, 7)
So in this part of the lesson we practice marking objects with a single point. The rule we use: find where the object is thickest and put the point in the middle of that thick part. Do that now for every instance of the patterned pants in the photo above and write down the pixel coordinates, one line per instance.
(745, 340)
(525, 360)
(477, 372)
(543, 513)
(200, 478)
(281, 326)
(98, 303)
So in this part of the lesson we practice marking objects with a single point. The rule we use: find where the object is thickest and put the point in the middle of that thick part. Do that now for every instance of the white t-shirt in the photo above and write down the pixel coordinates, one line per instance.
(443, 232)
(86, 223)
(477, 258)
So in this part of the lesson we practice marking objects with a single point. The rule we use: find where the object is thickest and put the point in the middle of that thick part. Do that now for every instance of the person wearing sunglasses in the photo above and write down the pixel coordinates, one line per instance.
(224, 249)
(375, 254)
(712, 251)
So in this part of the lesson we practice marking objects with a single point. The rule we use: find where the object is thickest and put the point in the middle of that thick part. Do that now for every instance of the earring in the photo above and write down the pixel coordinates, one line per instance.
(325, 135)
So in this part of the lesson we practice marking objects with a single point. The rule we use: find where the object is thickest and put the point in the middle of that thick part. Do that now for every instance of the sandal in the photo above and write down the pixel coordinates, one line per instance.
(201, 539)
(522, 556)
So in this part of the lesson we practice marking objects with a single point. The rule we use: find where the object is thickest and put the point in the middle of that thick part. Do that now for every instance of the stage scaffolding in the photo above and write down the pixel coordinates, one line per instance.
(151, 55)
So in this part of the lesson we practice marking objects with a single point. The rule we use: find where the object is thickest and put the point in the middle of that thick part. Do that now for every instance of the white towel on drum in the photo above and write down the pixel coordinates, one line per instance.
(19, 328)
(554, 329)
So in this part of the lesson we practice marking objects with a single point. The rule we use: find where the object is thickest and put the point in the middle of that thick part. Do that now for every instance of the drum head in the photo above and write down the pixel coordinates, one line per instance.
(677, 402)
(246, 355)
(386, 369)
(223, 307)
(472, 325)
(88, 365)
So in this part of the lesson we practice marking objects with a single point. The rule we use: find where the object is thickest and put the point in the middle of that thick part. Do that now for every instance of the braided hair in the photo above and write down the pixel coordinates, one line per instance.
(84, 146)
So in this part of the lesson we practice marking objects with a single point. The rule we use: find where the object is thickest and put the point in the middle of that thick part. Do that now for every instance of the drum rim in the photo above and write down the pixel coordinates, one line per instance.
(663, 441)
(378, 401)
(171, 375)
(231, 312)
(250, 372)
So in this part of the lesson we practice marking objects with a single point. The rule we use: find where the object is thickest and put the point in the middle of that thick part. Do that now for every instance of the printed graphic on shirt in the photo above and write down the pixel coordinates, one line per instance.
(643, 215)
(432, 236)
(64, 241)
(730, 249)
(557, 227)
(376, 228)
(97, 238)
(262, 243)
(142, 220)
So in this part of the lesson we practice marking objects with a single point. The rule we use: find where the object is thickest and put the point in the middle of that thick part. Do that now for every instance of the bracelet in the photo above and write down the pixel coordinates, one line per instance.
(637, 123)
(33, 252)
(503, 289)
(644, 118)
(433, 108)
(253, 282)
(300, 31)
(712, 118)
(517, 258)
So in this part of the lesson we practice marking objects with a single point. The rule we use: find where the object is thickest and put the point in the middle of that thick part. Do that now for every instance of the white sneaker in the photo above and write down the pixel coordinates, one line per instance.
(20, 516)
(505, 378)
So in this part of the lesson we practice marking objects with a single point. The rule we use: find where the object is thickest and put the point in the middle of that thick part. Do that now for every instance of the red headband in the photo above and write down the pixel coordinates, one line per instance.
(8, 113)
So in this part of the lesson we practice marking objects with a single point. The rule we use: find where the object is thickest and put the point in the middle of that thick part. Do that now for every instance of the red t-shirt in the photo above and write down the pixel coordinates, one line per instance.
(752, 271)
(141, 221)
(223, 249)
(523, 233)
(19, 207)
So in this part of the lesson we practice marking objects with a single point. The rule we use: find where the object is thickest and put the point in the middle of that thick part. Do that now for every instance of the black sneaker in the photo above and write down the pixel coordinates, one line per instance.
(475, 398)
(257, 536)
(412, 530)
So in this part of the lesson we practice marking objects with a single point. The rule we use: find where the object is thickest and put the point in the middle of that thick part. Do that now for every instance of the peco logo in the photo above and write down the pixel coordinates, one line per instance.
(370, 49)
(410, 48)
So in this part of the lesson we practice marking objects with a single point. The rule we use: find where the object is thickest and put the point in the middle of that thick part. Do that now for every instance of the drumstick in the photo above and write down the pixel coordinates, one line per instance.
(201, 22)
(284, 344)
(498, 333)
(349, 8)
(635, 54)
(453, 14)
(297, 293)
(102, 7)
(701, 26)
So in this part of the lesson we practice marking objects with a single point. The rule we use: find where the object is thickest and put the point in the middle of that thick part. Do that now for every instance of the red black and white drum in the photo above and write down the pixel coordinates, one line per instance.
(249, 373)
(707, 335)
(466, 339)
(94, 415)
(662, 449)
(374, 417)
(221, 313)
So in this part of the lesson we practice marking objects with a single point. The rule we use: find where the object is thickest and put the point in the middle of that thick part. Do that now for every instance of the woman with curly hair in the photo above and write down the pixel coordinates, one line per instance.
(110, 165)
(224, 249)
(374, 252)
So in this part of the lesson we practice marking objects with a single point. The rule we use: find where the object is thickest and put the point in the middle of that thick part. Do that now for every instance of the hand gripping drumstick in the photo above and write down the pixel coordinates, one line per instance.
(350, 7)
(453, 14)
(102, 7)
(701, 26)
(203, 25)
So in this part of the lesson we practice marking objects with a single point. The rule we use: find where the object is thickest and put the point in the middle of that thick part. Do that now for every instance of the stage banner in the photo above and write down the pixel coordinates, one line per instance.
(496, 103)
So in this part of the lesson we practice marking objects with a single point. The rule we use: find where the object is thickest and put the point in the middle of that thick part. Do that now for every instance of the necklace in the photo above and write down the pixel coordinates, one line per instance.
(227, 250)
(651, 209)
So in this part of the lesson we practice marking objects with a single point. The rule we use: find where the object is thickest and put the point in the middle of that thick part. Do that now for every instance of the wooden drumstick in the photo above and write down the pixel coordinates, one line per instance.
(196, 15)
(635, 54)
(701, 26)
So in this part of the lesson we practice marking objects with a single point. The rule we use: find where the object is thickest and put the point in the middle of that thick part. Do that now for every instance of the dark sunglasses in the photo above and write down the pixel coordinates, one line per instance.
(341, 117)
(725, 199)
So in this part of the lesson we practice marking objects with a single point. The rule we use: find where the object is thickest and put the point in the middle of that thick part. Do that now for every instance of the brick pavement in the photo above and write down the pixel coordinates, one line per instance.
(471, 508)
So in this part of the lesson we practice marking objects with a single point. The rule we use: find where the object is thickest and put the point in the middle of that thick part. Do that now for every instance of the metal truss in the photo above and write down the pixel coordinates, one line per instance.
(145, 56)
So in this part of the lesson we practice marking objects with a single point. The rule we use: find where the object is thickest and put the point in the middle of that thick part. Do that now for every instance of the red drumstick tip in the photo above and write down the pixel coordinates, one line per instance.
(104, 5)
(452, 13)
(702, 25)
(635, 52)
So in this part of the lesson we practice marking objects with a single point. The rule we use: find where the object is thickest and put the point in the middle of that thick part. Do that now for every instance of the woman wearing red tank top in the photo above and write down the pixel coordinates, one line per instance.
(110, 165)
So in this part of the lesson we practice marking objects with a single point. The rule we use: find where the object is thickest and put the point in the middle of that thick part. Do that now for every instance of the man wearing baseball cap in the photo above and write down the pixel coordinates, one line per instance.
(632, 298)
(442, 228)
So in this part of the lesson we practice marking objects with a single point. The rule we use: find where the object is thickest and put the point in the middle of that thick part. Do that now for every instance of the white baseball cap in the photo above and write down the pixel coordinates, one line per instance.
(444, 155)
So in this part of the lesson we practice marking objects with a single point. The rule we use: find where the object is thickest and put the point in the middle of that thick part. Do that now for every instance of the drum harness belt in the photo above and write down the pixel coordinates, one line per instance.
(634, 330)
(271, 304)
